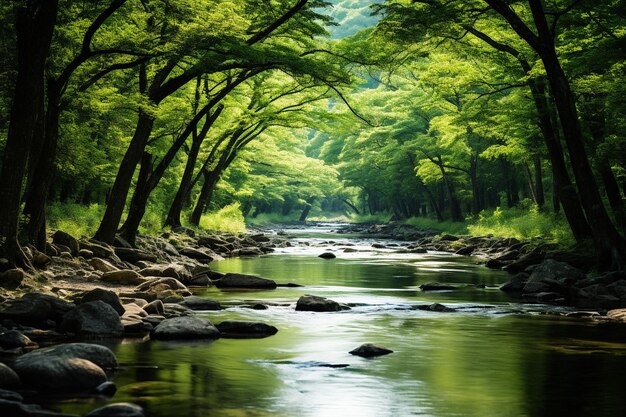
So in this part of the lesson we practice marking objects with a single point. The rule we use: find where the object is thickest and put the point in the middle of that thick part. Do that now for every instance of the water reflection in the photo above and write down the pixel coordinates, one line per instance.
(474, 362)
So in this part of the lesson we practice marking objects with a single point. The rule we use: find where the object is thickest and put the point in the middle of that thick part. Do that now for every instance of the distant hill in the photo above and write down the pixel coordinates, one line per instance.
(351, 16)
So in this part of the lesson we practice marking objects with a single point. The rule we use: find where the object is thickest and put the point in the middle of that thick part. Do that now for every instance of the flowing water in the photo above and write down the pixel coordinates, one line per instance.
(491, 357)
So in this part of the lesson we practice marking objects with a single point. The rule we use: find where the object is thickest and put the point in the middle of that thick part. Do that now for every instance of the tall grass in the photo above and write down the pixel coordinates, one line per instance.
(227, 219)
(426, 223)
(522, 223)
(76, 219)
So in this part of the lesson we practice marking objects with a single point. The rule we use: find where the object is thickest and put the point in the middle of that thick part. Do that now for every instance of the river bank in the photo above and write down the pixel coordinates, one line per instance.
(87, 290)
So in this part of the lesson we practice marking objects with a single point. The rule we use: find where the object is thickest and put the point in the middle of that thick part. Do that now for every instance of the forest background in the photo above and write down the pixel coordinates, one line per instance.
(127, 116)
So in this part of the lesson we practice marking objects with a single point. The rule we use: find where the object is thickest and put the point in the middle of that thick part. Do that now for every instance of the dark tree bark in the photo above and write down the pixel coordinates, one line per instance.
(307, 209)
(34, 27)
(539, 191)
(564, 190)
(610, 246)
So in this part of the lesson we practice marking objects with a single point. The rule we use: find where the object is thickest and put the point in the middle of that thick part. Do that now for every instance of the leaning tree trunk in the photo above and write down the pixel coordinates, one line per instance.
(210, 179)
(609, 244)
(43, 172)
(139, 202)
(34, 27)
(119, 191)
(307, 209)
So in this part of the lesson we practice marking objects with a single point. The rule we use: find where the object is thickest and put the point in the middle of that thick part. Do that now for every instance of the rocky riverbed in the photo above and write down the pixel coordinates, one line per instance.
(84, 290)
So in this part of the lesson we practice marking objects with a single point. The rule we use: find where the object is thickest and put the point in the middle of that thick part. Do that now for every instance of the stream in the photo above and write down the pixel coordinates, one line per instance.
(493, 356)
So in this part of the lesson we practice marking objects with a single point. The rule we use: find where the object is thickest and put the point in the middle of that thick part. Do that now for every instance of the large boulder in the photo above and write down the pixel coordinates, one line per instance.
(201, 255)
(198, 303)
(117, 410)
(102, 265)
(8, 377)
(36, 309)
(99, 249)
(59, 373)
(108, 296)
(236, 329)
(98, 354)
(159, 283)
(125, 277)
(133, 255)
(320, 304)
(61, 238)
(244, 281)
(11, 278)
(524, 261)
(92, 318)
(185, 328)
(516, 284)
(552, 276)
(177, 271)
(12, 339)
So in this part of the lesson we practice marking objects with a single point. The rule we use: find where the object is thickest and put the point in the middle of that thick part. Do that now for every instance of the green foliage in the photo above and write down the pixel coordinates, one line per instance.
(227, 219)
(426, 223)
(522, 223)
(76, 219)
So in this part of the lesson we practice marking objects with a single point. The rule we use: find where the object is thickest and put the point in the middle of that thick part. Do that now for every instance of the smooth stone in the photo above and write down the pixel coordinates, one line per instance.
(245, 329)
(198, 303)
(319, 304)
(102, 265)
(92, 318)
(98, 354)
(107, 296)
(327, 255)
(117, 410)
(11, 278)
(36, 309)
(184, 328)
(245, 281)
(126, 277)
(8, 377)
(59, 373)
(108, 389)
(12, 339)
(155, 307)
(65, 239)
(133, 255)
(436, 307)
(369, 350)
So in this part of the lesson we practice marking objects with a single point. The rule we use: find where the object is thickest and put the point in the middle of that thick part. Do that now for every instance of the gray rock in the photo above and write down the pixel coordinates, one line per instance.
(61, 238)
(198, 303)
(36, 309)
(244, 329)
(99, 249)
(102, 265)
(108, 389)
(59, 373)
(552, 276)
(523, 262)
(117, 410)
(8, 377)
(92, 318)
(516, 283)
(158, 284)
(184, 328)
(155, 307)
(98, 354)
(108, 296)
(133, 255)
(11, 278)
(12, 339)
(136, 326)
(245, 281)
(369, 350)
(125, 277)
(319, 304)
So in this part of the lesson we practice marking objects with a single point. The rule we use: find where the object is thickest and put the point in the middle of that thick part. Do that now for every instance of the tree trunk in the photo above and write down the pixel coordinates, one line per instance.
(473, 175)
(43, 172)
(34, 27)
(307, 209)
(137, 208)
(540, 194)
(121, 186)
(609, 244)
(455, 207)
(210, 179)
